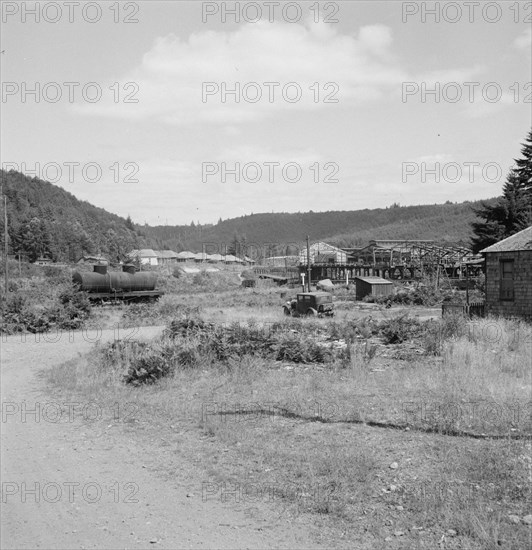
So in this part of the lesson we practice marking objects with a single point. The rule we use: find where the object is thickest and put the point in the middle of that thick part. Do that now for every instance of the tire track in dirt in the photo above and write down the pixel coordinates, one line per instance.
(286, 413)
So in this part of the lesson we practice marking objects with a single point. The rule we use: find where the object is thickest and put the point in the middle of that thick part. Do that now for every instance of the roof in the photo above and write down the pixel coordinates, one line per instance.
(144, 253)
(374, 280)
(272, 277)
(322, 247)
(381, 242)
(231, 258)
(199, 256)
(519, 241)
(86, 258)
(186, 255)
(166, 254)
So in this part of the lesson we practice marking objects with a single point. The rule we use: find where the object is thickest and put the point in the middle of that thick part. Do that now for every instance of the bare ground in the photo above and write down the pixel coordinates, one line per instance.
(69, 484)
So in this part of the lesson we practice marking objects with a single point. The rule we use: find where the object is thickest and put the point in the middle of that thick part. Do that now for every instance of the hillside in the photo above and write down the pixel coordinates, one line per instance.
(445, 222)
(44, 219)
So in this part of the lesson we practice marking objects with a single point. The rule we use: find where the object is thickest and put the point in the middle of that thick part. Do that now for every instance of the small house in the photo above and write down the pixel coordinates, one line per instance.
(372, 286)
(200, 257)
(214, 258)
(165, 257)
(230, 259)
(41, 260)
(145, 256)
(185, 255)
(509, 276)
(93, 259)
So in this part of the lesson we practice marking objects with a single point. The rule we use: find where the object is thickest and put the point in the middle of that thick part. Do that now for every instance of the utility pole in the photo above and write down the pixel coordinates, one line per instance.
(308, 264)
(5, 246)
(467, 284)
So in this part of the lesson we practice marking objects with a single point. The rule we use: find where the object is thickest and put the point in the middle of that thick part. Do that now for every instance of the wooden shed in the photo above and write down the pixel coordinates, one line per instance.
(372, 286)
(509, 276)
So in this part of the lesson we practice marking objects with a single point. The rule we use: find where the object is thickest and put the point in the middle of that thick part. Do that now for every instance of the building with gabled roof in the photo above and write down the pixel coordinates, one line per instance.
(145, 256)
(509, 275)
(165, 257)
(93, 259)
(323, 253)
(185, 255)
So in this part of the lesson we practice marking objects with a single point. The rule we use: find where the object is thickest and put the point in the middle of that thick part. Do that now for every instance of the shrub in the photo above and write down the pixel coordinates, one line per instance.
(203, 278)
(400, 329)
(15, 304)
(293, 348)
(161, 312)
(147, 369)
(187, 325)
(66, 309)
(437, 332)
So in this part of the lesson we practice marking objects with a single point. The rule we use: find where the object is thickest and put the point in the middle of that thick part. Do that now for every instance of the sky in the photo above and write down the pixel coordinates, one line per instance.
(173, 112)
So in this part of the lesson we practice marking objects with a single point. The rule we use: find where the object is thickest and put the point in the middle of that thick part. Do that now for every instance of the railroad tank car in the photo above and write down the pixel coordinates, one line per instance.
(125, 285)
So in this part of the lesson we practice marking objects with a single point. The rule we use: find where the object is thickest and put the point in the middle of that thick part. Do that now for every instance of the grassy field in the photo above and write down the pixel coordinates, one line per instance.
(390, 428)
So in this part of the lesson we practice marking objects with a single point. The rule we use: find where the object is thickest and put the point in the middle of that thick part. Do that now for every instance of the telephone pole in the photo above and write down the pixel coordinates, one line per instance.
(6, 275)
(308, 264)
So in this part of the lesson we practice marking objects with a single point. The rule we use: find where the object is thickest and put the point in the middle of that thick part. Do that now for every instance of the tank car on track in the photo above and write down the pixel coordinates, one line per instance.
(118, 286)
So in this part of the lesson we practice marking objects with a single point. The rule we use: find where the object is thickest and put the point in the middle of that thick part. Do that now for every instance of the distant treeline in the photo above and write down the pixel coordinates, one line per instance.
(45, 220)
(441, 222)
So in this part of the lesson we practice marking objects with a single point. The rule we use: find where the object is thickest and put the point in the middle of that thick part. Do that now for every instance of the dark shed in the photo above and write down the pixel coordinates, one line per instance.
(372, 286)
(509, 276)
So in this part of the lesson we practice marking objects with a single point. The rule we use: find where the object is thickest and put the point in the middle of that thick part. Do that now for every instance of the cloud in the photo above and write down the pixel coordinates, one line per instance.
(173, 74)
(524, 40)
(445, 76)
(376, 39)
(432, 159)
(482, 108)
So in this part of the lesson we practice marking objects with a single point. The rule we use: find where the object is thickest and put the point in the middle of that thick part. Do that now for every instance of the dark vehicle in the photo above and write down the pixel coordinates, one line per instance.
(311, 304)
(118, 286)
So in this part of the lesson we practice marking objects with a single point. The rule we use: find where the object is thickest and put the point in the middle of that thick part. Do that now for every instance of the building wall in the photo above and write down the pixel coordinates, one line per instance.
(322, 249)
(166, 261)
(364, 289)
(522, 303)
(149, 261)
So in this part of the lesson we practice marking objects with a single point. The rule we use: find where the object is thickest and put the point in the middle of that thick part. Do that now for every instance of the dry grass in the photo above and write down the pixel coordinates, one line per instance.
(251, 422)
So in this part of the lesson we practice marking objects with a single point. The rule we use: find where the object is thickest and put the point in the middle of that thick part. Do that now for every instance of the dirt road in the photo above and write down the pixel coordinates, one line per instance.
(69, 484)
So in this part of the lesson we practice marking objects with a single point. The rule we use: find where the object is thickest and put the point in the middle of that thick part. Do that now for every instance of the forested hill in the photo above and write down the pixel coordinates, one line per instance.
(46, 220)
(444, 222)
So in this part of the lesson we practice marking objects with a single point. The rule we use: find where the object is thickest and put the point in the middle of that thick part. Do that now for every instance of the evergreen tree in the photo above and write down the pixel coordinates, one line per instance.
(32, 239)
(129, 223)
(44, 219)
(513, 211)
(523, 168)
